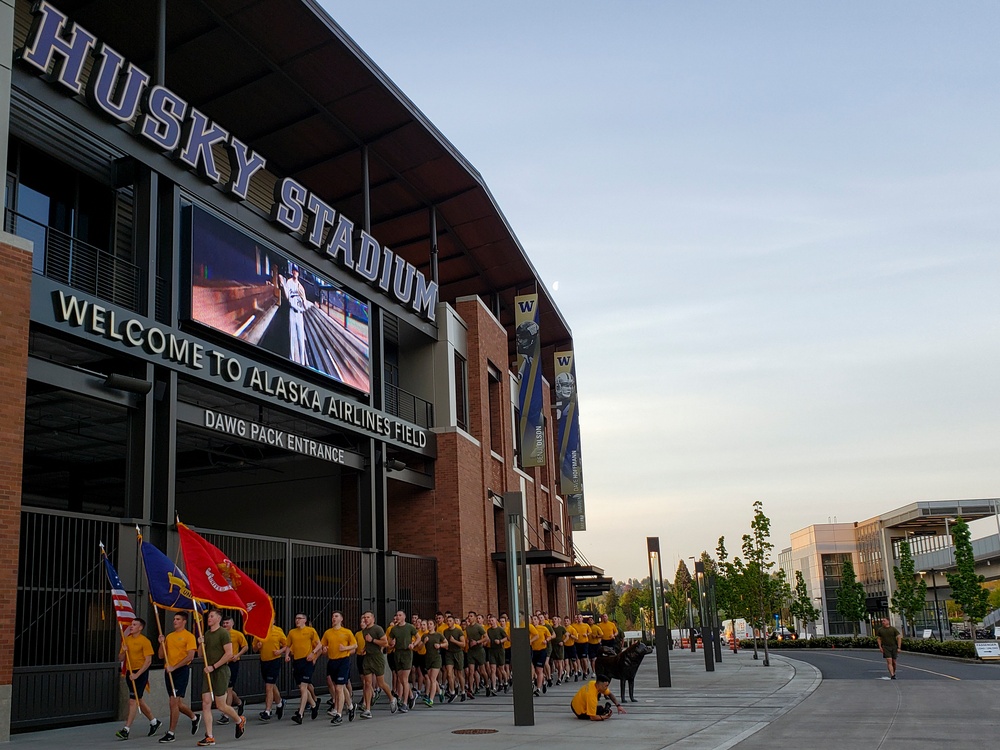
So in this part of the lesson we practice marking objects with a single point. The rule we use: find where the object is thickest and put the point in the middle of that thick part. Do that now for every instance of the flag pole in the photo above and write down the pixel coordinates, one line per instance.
(121, 632)
(204, 656)
(156, 609)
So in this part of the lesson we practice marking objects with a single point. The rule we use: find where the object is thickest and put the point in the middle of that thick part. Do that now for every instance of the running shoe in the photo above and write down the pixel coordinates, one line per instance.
(122, 733)
(241, 727)
(366, 714)
(429, 703)
(336, 721)
(195, 723)
(223, 719)
(154, 727)
(393, 705)
(297, 717)
(239, 708)
(403, 708)
(206, 741)
(331, 713)
(315, 711)
(168, 737)
(412, 700)
(351, 711)
(281, 709)
(265, 715)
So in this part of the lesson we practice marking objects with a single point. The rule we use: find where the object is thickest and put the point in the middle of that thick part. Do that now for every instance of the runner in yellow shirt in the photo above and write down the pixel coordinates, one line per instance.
(303, 647)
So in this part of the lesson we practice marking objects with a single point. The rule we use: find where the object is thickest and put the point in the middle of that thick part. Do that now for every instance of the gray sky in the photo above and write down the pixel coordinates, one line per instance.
(772, 227)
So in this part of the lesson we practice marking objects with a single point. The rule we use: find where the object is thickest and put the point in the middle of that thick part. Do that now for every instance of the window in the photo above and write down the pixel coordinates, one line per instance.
(496, 413)
(461, 392)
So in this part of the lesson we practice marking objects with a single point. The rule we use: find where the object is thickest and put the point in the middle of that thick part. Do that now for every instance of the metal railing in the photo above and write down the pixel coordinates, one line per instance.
(406, 405)
(73, 262)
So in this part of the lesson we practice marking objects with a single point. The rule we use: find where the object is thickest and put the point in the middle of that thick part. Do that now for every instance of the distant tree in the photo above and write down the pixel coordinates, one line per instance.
(966, 586)
(633, 600)
(681, 591)
(802, 606)
(619, 619)
(608, 602)
(910, 597)
(851, 596)
(994, 598)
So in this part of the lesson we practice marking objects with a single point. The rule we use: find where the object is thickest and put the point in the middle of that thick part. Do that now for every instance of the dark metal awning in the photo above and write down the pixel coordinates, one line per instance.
(289, 82)
(573, 571)
(536, 557)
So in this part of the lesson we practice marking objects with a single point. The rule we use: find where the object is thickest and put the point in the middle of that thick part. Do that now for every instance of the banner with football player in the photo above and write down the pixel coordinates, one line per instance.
(568, 426)
(529, 372)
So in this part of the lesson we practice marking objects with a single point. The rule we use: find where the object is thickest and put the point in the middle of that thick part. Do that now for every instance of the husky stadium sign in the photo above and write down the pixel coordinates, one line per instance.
(123, 93)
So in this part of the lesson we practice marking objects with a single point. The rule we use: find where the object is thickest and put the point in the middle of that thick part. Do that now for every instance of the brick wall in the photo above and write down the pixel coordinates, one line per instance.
(15, 309)
(455, 521)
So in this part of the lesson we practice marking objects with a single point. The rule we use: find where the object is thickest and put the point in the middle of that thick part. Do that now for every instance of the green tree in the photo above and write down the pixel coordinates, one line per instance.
(966, 586)
(636, 598)
(758, 583)
(802, 606)
(910, 597)
(851, 596)
(681, 591)
(609, 602)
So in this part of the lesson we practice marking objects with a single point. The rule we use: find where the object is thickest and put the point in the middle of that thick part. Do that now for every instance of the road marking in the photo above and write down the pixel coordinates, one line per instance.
(904, 666)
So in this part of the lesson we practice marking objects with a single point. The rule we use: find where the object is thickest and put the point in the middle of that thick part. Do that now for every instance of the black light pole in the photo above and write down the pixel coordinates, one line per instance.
(716, 625)
(706, 629)
(691, 623)
(662, 629)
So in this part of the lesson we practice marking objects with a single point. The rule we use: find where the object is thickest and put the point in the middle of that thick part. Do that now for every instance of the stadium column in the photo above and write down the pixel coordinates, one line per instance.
(15, 315)
(373, 530)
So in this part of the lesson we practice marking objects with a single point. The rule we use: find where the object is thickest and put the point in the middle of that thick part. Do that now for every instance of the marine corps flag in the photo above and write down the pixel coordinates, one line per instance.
(529, 372)
(168, 586)
(216, 579)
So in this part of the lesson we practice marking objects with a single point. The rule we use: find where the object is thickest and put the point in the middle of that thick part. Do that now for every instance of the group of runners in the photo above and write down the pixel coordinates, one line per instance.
(438, 660)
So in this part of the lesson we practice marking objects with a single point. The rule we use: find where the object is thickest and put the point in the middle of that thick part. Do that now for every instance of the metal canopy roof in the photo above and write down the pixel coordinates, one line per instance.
(535, 557)
(283, 77)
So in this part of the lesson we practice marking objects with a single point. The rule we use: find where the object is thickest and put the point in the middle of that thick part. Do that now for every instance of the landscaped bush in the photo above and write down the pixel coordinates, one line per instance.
(962, 649)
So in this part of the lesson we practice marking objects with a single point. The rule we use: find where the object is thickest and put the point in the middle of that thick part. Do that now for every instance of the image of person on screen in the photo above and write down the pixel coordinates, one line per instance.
(297, 306)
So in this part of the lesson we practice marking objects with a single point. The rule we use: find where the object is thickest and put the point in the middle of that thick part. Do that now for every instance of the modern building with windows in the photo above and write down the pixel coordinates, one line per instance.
(872, 546)
(248, 284)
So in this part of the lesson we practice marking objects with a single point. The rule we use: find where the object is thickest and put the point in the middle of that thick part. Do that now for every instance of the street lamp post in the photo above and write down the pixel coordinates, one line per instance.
(662, 629)
(691, 623)
(706, 630)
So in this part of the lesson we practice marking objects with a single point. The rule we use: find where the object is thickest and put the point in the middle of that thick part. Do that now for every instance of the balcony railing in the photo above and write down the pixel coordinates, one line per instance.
(82, 266)
(407, 406)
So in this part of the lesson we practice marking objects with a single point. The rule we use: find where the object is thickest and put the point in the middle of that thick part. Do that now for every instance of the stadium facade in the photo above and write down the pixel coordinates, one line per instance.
(248, 284)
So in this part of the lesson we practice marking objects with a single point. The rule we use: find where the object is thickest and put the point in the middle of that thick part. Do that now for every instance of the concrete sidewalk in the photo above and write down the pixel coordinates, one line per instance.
(702, 711)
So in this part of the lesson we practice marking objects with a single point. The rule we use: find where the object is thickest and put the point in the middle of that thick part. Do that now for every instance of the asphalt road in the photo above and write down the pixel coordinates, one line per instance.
(933, 703)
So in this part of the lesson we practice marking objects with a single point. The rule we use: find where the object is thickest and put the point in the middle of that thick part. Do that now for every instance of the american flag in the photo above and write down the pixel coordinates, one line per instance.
(123, 607)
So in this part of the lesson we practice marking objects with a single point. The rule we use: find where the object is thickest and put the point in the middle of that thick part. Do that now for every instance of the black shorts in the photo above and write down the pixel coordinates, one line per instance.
(391, 656)
(137, 686)
(506, 656)
(270, 670)
(538, 658)
(234, 672)
(419, 660)
(339, 670)
(302, 670)
(359, 662)
(177, 681)
(570, 651)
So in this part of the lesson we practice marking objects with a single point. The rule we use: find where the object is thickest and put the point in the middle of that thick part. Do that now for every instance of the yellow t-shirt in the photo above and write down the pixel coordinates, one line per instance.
(389, 648)
(239, 642)
(302, 640)
(334, 638)
(359, 638)
(137, 647)
(420, 647)
(537, 637)
(442, 627)
(608, 630)
(595, 634)
(176, 646)
(570, 638)
(274, 642)
(585, 700)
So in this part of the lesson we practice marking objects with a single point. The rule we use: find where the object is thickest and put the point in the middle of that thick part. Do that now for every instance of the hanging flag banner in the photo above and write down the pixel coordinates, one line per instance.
(529, 373)
(124, 612)
(168, 586)
(216, 579)
(568, 427)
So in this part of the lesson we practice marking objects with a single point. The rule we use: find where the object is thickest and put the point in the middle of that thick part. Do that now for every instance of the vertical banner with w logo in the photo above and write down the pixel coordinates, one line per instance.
(568, 446)
(529, 373)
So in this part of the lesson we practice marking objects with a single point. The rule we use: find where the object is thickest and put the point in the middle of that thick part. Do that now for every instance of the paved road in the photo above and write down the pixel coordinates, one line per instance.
(934, 703)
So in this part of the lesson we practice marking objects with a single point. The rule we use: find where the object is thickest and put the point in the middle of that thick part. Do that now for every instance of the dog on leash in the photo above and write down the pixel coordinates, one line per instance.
(623, 667)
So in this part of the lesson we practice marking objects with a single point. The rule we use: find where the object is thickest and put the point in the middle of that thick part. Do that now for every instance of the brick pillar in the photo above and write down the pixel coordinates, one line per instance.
(15, 314)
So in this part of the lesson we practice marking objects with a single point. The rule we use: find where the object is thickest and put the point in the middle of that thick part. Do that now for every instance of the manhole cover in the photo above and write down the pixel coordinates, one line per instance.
(474, 731)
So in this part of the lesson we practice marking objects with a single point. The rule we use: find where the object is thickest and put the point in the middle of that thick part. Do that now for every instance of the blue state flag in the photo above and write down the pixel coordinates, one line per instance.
(168, 586)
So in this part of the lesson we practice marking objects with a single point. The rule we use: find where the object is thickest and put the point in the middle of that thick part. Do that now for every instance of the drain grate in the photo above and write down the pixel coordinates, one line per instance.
(474, 731)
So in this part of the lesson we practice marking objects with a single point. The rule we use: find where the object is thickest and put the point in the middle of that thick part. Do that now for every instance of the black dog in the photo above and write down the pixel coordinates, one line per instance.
(623, 666)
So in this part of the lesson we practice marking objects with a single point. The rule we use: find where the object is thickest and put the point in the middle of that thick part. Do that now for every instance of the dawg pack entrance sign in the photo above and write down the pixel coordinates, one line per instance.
(123, 93)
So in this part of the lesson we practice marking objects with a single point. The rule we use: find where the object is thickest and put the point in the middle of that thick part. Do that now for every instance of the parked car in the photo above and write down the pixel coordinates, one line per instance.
(782, 634)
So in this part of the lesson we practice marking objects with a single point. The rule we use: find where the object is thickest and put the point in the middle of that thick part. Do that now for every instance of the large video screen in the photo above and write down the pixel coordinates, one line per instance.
(261, 296)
